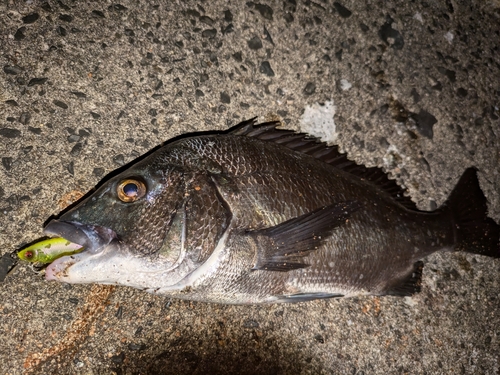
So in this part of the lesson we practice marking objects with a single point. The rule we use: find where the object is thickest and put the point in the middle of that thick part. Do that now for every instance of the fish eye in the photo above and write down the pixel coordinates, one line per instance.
(130, 190)
(29, 254)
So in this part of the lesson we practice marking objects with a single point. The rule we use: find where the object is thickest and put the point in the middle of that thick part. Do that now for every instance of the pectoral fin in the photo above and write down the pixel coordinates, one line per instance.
(283, 247)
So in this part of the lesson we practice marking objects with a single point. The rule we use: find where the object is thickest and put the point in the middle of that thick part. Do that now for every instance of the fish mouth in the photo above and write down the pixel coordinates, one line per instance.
(93, 238)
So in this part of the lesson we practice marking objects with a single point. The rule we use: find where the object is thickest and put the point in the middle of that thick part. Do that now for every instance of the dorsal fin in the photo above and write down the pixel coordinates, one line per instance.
(312, 146)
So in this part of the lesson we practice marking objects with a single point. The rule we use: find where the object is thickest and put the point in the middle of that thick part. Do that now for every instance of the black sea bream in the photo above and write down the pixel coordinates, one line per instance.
(258, 215)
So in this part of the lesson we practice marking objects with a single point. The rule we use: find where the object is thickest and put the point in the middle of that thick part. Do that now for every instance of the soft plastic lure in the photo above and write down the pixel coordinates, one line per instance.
(48, 250)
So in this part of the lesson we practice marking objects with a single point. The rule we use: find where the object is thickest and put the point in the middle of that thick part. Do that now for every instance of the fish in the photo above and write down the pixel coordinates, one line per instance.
(259, 214)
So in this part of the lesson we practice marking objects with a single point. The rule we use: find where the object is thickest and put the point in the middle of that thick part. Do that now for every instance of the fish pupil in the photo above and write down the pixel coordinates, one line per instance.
(130, 190)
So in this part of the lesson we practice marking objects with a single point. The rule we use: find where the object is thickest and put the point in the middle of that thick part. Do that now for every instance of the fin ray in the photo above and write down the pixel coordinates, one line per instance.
(312, 146)
(410, 284)
(282, 247)
(306, 297)
(476, 232)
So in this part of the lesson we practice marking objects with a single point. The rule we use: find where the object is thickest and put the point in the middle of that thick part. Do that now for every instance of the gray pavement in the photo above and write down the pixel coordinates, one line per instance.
(86, 87)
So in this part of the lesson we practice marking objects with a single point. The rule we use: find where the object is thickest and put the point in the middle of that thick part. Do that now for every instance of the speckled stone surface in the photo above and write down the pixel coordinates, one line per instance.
(86, 87)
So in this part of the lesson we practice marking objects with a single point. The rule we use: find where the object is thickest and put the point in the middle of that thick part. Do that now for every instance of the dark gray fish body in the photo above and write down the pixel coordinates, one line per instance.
(262, 215)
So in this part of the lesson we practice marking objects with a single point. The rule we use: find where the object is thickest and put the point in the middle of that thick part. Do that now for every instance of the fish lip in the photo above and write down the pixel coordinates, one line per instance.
(58, 269)
(93, 238)
(61, 268)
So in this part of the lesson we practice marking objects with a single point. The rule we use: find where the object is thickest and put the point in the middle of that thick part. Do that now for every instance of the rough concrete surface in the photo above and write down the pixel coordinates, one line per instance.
(86, 87)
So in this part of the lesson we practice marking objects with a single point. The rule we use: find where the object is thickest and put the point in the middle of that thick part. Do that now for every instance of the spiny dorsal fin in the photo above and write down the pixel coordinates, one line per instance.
(312, 146)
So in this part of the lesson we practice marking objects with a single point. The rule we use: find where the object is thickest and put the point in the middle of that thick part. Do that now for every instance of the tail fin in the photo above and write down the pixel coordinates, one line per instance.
(476, 232)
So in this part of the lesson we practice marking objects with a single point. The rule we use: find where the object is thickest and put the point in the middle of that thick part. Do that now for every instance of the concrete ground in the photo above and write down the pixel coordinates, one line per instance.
(88, 86)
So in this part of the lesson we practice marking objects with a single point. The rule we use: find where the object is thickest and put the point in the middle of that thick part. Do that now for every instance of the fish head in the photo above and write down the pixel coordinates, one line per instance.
(132, 230)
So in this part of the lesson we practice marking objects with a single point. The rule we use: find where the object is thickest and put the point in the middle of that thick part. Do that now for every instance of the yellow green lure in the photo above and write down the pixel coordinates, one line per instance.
(48, 250)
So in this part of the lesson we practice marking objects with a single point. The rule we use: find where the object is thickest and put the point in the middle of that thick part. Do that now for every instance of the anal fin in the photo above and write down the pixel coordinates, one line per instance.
(283, 247)
(410, 284)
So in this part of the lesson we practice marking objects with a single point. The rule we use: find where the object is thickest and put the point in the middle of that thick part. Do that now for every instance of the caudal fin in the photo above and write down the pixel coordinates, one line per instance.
(477, 233)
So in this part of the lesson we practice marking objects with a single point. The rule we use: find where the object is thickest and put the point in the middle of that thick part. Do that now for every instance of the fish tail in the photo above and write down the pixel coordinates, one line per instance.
(476, 232)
